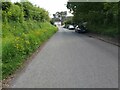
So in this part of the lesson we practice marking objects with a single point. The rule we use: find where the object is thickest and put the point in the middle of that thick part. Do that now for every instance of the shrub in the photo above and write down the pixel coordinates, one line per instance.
(14, 13)
(16, 48)
(25, 27)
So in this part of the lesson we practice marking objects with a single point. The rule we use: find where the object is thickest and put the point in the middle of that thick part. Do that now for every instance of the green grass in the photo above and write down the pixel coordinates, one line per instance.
(20, 40)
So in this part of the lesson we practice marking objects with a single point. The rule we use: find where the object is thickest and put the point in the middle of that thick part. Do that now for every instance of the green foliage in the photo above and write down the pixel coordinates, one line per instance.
(24, 28)
(19, 43)
(68, 21)
(59, 16)
(97, 14)
(6, 6)
(14, 13)
(23, 10)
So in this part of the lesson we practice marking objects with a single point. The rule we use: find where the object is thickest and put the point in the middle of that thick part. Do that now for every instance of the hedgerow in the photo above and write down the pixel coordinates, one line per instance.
(24, 28)
(101, 17)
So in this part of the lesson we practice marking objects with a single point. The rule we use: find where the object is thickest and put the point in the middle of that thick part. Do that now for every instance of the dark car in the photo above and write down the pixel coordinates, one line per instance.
(80, 29)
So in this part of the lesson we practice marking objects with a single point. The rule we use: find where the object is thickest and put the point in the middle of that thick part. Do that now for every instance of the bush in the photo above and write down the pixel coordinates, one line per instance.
(17, 48)
(14, 13)
(22, 33)
(103, 30)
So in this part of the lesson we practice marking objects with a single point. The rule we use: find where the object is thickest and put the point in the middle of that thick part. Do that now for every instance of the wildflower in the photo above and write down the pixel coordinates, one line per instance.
(17, 46)
(27, 42)
(17, 39)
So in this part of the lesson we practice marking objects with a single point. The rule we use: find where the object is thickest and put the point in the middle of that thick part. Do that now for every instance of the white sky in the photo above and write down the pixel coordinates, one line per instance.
(52, 6)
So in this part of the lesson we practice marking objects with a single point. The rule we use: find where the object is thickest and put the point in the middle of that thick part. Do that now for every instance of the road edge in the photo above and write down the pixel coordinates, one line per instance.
(104, 38)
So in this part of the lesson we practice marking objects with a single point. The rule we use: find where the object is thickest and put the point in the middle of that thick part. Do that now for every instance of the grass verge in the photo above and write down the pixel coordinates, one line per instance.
(20, 40)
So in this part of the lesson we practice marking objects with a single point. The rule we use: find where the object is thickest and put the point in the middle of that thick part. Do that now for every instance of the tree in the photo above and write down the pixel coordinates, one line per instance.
(93, 12)
(60, 16)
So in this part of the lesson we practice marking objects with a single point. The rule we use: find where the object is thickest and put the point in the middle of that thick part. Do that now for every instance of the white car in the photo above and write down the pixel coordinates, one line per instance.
(71, 27)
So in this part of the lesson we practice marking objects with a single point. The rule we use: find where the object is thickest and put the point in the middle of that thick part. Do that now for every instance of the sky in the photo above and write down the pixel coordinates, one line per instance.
(52, 6)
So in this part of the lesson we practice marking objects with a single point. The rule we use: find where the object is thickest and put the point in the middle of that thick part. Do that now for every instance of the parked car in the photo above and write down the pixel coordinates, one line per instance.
(71, 27)
(80, 29)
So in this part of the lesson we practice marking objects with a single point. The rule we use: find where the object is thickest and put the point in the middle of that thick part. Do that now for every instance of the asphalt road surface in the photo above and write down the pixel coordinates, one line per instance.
(71, 60)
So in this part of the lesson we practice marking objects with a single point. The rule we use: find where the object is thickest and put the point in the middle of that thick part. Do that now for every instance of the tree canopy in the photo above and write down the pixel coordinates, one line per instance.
(94, 12)
(20, 11)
